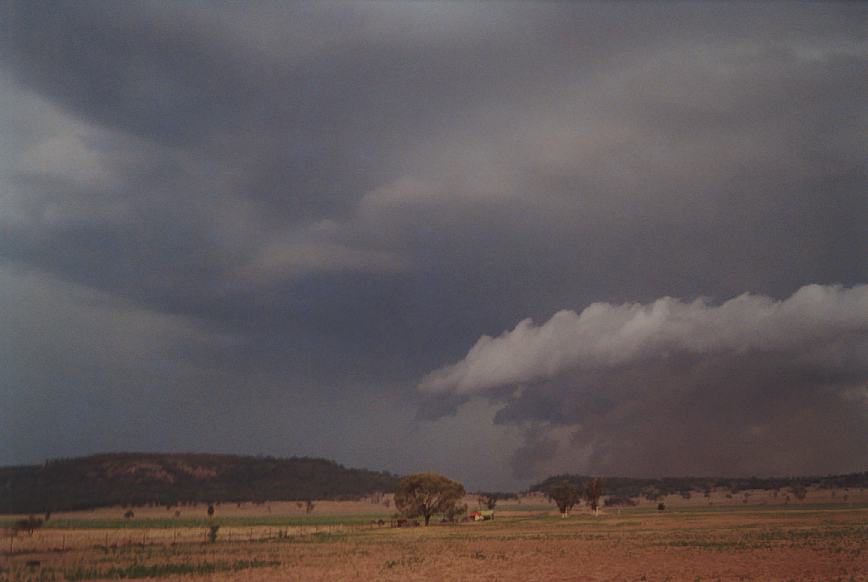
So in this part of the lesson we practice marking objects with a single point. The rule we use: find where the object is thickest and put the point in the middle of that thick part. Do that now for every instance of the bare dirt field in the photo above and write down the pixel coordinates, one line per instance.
(694, 540)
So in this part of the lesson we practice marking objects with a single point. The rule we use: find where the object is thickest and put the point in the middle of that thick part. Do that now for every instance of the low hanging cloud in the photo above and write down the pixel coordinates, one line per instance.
(752, 385)
(293, 260)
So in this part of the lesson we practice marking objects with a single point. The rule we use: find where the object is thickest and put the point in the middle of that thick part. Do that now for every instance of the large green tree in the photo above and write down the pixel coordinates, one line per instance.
(427, 494)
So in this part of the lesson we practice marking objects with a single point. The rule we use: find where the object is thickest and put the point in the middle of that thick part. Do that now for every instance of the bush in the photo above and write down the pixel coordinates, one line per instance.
(28, 524)
(619, 501)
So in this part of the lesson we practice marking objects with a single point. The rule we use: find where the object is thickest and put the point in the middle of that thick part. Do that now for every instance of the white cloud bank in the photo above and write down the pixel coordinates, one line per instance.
(748, 387)
(608, 336)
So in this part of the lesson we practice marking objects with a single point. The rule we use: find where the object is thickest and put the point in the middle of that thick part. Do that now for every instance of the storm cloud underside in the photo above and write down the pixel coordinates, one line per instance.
(256, 228)
(671, 387)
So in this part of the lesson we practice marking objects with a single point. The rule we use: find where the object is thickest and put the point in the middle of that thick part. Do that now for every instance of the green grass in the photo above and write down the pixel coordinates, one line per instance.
(780, 510)
(525, 507)
(163, 570)
(27, 575)
(172, 523)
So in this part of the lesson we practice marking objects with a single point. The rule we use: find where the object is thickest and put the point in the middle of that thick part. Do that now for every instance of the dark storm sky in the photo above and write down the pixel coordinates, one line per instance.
(490, 239)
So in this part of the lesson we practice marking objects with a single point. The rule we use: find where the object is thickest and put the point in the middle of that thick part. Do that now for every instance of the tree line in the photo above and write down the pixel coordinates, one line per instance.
(139, 479)
(627, 488)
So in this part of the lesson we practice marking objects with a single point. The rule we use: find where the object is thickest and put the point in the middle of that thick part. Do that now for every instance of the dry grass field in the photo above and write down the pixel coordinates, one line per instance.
(721, 538)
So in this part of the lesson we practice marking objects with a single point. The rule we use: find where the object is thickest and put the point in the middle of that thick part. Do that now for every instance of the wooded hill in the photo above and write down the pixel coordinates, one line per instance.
(627, 488)
(171, 479)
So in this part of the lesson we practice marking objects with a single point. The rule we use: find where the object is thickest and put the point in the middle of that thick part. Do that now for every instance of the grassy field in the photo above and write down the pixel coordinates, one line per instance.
(527, 541)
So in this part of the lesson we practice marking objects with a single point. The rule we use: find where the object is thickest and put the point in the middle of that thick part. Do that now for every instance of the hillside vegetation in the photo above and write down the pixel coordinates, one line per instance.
(627, 488)
(171, 479)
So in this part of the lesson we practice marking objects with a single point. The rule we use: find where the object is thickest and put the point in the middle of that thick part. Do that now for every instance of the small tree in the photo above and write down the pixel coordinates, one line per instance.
(308, 506)
(592, 493)
(427, 494)
(565, 495)
(619, 501)
(488, 500)
(212, 533)
(799, 491)
(210, 510)
(455, 512)
(28, 524)
(129, 514)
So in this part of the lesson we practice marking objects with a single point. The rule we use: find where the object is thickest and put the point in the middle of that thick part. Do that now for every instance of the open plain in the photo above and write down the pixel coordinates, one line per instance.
(719, 538)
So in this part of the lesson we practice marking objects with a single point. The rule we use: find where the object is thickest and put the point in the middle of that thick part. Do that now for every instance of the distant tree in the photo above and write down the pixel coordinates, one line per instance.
(799, 491)
(427, 494)
(661, 507)
(455, 512)
(29, 524)
(565, 495)
(129, 514)
(210, 510)
(308, 506)
(592, 493)
(488, 500)
(652, 495)
(617, 501)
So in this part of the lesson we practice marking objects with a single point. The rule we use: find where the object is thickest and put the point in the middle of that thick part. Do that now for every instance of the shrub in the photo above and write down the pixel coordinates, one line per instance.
(28, 524)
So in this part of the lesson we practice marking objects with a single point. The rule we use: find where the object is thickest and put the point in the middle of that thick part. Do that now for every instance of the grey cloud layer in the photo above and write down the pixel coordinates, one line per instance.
(355, 192)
